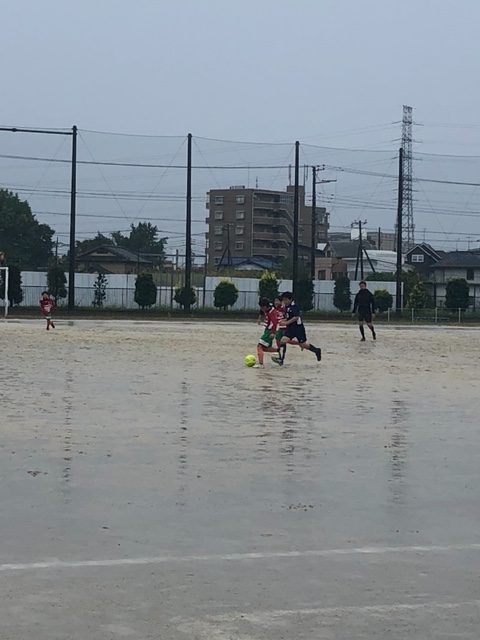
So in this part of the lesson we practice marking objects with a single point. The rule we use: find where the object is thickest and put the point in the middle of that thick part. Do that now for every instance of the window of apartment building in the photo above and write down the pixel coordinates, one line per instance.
(470, 274)
(240, 214)
(239, 245)
(239, 230)
(322, 274)
(240, 199)
(418, 257)
(218, 199)
(218, 230)
(218, 246)
(218, 214)
(216, 260)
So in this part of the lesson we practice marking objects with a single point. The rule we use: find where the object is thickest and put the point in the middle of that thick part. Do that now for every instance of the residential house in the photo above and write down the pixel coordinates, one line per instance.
(457, 264)
(111, 259)
(422, 257)
(373, 259)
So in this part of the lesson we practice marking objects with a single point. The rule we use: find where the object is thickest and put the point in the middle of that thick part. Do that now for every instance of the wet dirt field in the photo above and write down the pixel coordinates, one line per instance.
(152, 486)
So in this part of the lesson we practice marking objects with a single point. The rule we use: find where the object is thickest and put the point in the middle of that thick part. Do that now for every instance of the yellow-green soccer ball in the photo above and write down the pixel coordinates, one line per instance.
(250, 360)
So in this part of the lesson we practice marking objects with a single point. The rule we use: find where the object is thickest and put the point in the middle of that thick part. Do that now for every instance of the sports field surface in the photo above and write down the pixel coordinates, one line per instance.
(153, 487)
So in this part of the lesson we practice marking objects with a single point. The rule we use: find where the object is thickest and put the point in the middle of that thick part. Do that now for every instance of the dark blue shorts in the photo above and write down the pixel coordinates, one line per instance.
(296, 332)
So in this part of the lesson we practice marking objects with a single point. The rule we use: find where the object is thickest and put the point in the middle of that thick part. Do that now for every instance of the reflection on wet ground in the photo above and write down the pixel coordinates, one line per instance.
(143, 440)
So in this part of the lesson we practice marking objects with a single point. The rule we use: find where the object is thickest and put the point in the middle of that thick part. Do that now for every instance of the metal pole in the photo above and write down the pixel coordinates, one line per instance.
(73, 211)
(7, 272)
(314, 223)
(398, 290)
(205, 276)
(360, 248)
(295, 219)
(188, 231)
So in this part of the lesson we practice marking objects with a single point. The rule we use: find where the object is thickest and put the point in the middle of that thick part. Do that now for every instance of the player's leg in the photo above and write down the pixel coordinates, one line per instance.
(361, 327)
(260, 354)
(372, 328)
(311, 347)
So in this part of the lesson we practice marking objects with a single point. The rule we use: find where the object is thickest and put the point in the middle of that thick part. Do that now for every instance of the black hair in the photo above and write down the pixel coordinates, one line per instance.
(287, 294)
(362, 282)
(45, 292)
(264, 302)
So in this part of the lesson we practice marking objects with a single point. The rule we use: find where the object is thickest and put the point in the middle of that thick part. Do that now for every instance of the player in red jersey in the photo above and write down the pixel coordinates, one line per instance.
(47, 305)
(270, 322)
(280, 309)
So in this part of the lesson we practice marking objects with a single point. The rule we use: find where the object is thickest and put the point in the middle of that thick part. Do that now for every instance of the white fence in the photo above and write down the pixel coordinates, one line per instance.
(120, 291)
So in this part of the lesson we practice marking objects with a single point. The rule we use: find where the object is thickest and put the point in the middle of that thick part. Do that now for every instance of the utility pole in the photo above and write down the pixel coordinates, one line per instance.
(398, 289)
(73, 216)
(188, 229)
(295, 219)
(361, 250)
(313, 247)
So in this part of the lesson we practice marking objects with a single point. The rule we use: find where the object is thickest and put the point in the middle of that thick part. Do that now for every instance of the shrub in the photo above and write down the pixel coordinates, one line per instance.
(225, 294)
(145, 290)
(342, 298)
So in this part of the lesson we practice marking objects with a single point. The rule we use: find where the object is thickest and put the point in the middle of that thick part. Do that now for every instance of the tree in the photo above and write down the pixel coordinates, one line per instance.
(457, 294)
(145, 290)
(15, 292)
(26, 242)
(342, 298)
(381, 276)
(100, 290)
(304, 294)
(142, 239)
(82, 246)
(225, 294)
(57, 282)
(419, 298)
(383, 300)
(409, 279)
(268, 285)
(185, 297)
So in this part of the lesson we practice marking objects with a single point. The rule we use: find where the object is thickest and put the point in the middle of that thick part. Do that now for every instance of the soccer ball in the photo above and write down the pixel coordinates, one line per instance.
(250, 360)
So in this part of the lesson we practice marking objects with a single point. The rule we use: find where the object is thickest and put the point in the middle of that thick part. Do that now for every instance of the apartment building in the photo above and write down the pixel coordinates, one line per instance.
(258, 223)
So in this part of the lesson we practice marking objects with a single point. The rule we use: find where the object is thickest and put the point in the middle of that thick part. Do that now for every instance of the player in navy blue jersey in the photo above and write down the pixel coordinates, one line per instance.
(364, 305)
(294, 330)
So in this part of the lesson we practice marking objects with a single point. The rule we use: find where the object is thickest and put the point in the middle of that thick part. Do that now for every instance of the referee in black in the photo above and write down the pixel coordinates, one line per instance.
(364, 305)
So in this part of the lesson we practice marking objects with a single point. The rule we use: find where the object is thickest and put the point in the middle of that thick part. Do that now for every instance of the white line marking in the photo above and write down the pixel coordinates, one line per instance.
(236, 557)
(224, 626)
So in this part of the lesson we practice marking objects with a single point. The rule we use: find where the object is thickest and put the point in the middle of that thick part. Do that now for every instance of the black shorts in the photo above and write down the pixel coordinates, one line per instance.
(364, 316)
(296, 332)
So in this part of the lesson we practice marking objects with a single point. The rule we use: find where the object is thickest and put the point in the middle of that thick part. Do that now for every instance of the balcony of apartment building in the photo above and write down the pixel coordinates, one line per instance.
(272, 234)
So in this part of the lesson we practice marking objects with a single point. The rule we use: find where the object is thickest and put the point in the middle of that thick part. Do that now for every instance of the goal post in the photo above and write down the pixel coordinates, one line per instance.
(4, 277)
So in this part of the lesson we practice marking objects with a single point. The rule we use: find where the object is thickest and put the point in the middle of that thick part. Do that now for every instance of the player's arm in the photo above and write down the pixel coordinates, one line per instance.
(355, 303)
(372, 303)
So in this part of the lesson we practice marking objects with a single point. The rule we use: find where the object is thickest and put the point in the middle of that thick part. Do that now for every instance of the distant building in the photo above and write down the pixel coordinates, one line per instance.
(457, 264)
(110, 259)
(340, 257)
(258, 223)
(423, 257)
(380, 240)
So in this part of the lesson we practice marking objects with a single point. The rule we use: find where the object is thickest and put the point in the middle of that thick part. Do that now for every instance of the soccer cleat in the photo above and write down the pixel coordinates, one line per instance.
(258, 366)
(362, 339)
(374, 335)
(318, 353)
(277, 359)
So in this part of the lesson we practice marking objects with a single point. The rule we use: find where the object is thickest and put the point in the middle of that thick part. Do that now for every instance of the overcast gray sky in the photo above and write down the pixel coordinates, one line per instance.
(327, 72)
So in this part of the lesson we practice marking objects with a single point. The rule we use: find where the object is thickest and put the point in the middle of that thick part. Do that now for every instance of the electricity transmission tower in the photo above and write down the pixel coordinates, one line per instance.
(408, 227)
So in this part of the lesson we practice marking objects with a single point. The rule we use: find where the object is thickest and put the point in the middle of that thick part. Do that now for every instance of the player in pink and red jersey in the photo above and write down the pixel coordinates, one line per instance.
(270, 322)
(47, 305)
